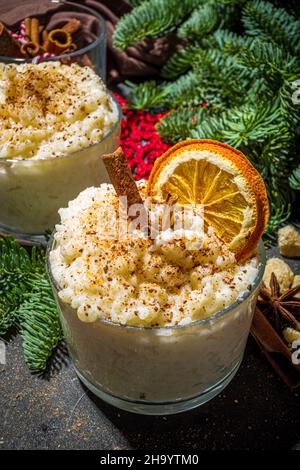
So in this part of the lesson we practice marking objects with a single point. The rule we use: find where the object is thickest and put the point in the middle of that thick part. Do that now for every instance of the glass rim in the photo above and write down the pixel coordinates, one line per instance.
(19, 61)
(77, 153)
(261, 258)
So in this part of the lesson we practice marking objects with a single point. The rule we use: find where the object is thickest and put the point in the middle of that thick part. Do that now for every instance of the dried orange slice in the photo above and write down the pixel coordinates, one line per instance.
(224, 181)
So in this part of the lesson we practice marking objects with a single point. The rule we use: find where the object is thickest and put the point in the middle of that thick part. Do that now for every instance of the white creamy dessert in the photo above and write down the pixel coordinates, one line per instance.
(139, 316)
(54, 120)
(133, 281)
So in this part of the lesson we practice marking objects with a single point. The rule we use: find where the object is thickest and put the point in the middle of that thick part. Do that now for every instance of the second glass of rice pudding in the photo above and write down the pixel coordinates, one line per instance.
(153, 324)
(55, 121)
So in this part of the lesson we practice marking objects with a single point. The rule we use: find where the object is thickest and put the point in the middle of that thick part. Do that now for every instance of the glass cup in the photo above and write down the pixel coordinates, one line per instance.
(92, 51)
(32, 191)
(160, 370)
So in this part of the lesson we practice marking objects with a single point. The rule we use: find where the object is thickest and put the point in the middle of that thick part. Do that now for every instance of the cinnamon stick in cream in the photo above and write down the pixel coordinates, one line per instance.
(122, 179)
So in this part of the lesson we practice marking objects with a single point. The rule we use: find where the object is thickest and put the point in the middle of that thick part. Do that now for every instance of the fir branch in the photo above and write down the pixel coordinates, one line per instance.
(7, 315)
(148, 95)
(151, 19)
(267, 57)
(227, 41)
(177, 125)
(247, 124)
(185, 90)
(26, 300)
(180, 62)
(294, 179)
(202, 21)
(214, 71)
(13, 256)
(15, 266)
(264, 21)
(278, 216)
(40, 325)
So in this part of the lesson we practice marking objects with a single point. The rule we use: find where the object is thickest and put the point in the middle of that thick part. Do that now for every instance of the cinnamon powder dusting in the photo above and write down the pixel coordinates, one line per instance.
(50, 109)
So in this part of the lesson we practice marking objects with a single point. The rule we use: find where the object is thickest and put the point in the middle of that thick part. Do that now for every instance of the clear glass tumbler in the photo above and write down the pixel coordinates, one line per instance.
(92, 46)
(32, 191)
(162, 370)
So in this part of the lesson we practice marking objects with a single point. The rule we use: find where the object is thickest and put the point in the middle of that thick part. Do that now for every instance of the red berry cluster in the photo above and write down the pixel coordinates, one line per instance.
(139, 139)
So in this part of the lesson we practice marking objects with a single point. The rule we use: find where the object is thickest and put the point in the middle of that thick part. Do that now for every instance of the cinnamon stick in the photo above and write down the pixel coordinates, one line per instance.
(121, 177)
(30, 49)
(72, 26)
(275, 350)
(44, 39)
(72, 48)
(58, 41)
(35, 31)
(27, 23)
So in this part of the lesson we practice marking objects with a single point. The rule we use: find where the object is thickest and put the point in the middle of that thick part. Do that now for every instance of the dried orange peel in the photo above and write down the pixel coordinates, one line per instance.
(221, 178)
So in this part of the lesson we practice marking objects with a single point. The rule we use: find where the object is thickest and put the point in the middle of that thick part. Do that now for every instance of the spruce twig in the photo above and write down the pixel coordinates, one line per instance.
(39, 323)
(26, 301)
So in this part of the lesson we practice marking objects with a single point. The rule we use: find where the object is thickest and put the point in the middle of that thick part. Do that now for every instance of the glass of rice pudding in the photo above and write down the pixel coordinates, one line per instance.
(55, 121)
(155, 324)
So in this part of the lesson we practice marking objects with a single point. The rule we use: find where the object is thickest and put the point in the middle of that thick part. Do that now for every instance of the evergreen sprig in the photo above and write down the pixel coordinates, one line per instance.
(202, 21)
(191, 116)
(39, 323)
(272, 24)
(148, 95)
(26, 301)
(180, 62)
(15, 266)
(294, 179)
(151, 19)
(227, 41)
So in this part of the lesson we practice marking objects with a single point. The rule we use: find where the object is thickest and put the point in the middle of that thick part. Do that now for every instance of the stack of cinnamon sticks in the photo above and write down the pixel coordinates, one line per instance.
(35, 40)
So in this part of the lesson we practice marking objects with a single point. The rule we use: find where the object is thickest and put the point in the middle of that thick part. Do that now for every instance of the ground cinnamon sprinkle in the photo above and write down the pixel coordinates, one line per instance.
(132, 281)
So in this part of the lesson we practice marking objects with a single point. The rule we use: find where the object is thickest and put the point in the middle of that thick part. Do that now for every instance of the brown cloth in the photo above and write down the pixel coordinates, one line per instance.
(143, 60)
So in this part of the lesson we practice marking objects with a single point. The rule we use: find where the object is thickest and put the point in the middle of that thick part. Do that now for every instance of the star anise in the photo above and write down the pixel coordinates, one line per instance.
(283, 309)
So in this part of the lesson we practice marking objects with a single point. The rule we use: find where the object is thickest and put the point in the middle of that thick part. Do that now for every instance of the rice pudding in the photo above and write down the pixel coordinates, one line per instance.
(148, 322)
(55, 121)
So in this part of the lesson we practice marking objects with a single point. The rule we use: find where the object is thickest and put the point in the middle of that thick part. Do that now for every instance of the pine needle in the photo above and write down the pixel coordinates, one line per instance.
(26, 301)
(177, 125)
(162, 17)
(180, 62)
(39, 322)
(294, 179)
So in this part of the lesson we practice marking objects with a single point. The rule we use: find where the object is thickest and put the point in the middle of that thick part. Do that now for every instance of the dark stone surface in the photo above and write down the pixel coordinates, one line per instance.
(256, 411)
